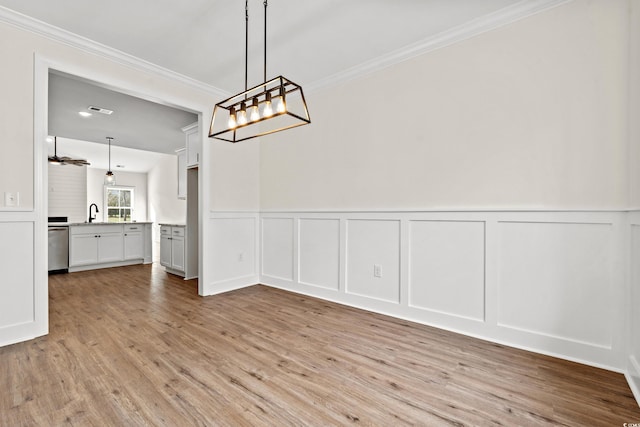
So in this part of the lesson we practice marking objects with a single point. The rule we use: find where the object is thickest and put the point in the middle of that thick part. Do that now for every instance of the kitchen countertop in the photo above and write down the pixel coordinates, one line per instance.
(172, 225)
(69, 224)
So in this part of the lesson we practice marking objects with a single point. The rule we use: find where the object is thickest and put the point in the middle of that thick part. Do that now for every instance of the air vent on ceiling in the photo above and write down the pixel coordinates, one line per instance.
(100, 110)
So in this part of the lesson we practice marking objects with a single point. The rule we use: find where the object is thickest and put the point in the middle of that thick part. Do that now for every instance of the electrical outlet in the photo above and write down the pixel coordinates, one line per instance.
(377, 270)
(11, 199)
(241, 257)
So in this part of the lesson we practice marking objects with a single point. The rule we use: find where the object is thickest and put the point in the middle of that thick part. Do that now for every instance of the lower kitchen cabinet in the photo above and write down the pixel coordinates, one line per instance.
(94, 246)
(133, 241)
(172, 248)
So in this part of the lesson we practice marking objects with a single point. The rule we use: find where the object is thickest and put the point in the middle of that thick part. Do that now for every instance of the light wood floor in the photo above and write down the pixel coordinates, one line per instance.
(135, 346)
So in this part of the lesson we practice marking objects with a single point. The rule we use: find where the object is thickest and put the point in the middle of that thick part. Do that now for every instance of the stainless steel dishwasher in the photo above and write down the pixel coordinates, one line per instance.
(58, 249)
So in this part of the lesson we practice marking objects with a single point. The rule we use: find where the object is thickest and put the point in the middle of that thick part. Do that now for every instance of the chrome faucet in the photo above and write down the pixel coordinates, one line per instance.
(92, 217)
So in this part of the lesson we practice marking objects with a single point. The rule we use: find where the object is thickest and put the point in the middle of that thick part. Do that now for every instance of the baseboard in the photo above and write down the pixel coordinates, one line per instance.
(223, 286)
(633, 377)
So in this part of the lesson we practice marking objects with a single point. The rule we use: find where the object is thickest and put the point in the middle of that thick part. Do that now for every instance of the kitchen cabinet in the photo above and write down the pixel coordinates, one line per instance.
(94, 246)
(133, 241)
(182, 173)
(192, 145)
(172, 248)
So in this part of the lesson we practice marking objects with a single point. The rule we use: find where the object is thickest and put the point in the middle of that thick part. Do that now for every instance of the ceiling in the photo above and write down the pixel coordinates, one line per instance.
(122, 158)
(310, 42)
(134, 123)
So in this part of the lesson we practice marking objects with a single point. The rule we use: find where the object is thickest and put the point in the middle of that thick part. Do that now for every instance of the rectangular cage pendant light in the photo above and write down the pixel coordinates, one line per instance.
(270, 107)
(273, 106)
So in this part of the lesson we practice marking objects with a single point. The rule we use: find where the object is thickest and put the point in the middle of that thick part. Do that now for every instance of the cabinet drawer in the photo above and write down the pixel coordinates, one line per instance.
(95, 229)
(177, 231)
(133, 227)
(165, 230)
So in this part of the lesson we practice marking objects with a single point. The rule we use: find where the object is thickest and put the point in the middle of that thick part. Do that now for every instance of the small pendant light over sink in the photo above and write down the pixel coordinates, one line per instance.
(109, 178)
(272, 106)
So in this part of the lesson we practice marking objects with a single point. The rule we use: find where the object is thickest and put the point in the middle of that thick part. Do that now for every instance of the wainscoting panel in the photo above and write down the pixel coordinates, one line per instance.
(16, 286)
(277, 248)
(23, 287)
(436, 282)
(551, 282)
(555, 279)
(233, 247)
(319, 243)
(373, 259)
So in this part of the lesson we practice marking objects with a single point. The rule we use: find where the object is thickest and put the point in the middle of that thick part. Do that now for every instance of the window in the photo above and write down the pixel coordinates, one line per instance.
(119, 203)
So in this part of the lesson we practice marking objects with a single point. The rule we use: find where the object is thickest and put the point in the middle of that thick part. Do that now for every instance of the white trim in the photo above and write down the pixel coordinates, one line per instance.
(500, 18)
(609, 352)
(42, 66)
(84, 44)
(633, 377)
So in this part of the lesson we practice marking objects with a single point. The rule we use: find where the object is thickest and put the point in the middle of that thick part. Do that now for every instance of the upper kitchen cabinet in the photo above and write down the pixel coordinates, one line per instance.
(182, 173)
(192, 145)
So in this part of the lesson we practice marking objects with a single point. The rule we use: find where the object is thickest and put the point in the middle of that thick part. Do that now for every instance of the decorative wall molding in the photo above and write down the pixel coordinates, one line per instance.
(526, 277)
(454, 35)
(470, 29)
(21, 315)
(84, 44)
(233, 248)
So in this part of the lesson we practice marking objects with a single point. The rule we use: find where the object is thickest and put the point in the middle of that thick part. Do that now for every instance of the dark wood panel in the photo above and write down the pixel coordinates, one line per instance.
(135, 346)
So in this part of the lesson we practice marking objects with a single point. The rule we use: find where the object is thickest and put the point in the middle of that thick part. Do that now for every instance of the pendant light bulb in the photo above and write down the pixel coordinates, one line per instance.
(268, 109)
(255, 114)
(281, 106)
(242, 114)
(232, 119)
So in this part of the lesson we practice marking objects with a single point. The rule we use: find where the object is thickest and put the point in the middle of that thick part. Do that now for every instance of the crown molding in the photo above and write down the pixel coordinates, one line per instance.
(500, 18)
(84, 44)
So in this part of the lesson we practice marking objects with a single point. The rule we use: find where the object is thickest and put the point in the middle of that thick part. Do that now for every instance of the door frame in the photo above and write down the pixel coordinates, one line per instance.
(42, 66)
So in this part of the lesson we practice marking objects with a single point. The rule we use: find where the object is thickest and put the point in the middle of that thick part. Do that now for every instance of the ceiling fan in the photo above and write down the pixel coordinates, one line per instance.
(55, 160)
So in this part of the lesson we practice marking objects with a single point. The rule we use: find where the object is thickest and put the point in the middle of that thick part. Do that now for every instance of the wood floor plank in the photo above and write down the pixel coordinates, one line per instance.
(136, 346)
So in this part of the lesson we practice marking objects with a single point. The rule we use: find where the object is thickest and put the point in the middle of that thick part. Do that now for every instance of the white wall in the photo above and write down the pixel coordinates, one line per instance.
(529, 115)
(68, 192)
(27, 54)
(95, 191)
(162, 186)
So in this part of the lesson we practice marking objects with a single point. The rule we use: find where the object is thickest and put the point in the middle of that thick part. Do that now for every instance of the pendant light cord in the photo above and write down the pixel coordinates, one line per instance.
(265, 40)
(246, 43)
(109, 138)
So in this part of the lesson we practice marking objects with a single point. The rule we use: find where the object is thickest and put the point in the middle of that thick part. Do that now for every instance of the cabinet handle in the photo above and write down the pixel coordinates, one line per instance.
(125, 234)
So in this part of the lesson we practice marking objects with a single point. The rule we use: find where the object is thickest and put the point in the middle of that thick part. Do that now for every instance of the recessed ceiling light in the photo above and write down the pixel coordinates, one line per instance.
(84, 114)
(100, 110)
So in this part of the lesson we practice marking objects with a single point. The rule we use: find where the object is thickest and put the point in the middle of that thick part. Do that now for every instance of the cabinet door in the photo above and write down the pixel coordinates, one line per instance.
(83, 249)
(110, 247)
(177, 253)
(182, 174)
(133, 245)
(193, 148)
(165, 250)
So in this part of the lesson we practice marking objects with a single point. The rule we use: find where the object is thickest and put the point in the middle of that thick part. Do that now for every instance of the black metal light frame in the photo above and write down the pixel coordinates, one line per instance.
(294, 114)
(293, 97)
